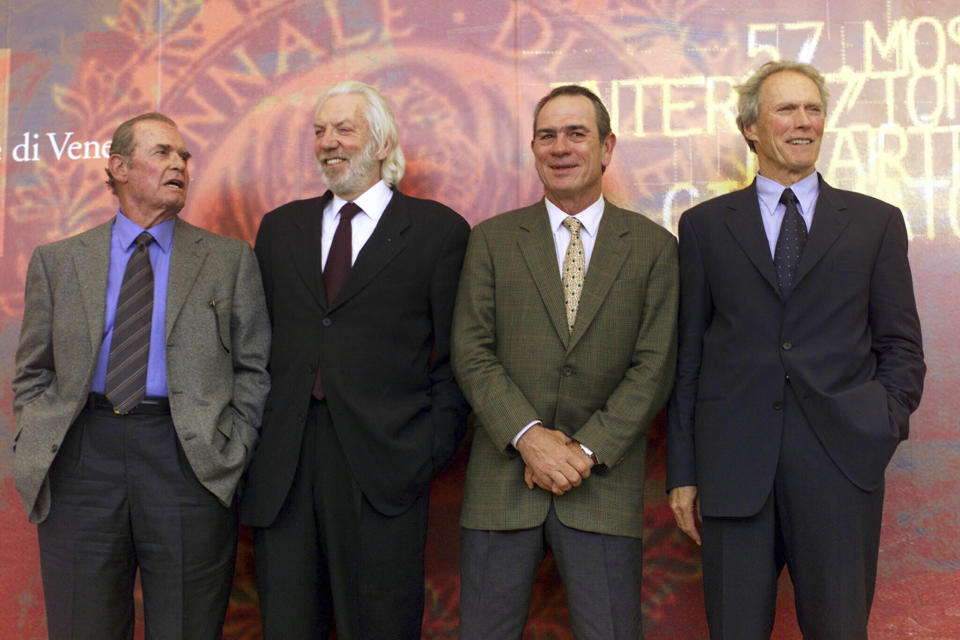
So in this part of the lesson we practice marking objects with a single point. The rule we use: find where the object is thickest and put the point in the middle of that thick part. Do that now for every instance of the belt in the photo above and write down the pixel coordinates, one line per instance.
(147, 406)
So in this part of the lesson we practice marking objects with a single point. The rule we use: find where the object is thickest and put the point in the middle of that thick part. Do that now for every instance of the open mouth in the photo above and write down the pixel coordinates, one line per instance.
(800, 142)
(329, 162)
(177, 184)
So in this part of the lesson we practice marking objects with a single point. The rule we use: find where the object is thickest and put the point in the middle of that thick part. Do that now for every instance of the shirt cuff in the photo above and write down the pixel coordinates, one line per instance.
(517, 437)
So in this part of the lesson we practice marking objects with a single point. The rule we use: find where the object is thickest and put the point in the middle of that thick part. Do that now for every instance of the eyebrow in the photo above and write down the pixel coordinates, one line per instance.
(167, 148)
(348, 121)
(567, 129)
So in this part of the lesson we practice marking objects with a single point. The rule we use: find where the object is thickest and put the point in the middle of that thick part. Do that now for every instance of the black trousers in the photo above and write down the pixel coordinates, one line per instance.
(823, 527)
(330, 555)
(124, 497)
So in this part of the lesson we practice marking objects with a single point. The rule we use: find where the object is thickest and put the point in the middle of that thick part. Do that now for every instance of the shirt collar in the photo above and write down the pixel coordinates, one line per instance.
(373, 201)
(127, 231)
(589, 218)
(806, 190)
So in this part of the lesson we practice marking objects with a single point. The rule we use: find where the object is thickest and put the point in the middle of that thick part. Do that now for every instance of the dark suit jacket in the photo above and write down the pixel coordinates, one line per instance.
(382, 345)
(218, 338)
(601, 385)
(848, 339)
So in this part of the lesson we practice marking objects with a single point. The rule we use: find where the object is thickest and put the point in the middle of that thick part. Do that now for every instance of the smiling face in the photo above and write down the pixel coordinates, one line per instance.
(569, 154)
(344, 146)
(152, 183)
(788, 132)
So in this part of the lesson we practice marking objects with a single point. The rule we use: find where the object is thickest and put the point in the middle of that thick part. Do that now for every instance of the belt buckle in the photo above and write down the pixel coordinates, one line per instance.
(121, 413)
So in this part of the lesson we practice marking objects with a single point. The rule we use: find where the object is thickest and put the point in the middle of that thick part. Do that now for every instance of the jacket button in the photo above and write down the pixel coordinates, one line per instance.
(326, 322)
(568, 371)
(778, 405)
(54, 448)
(787, 346)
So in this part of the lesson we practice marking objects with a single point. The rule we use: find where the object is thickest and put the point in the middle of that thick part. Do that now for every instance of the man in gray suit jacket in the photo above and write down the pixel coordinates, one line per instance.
(138, 393)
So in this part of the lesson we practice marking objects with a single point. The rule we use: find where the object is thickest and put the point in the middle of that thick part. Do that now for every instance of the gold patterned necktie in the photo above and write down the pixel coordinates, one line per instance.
(126, 383)
(574, 269)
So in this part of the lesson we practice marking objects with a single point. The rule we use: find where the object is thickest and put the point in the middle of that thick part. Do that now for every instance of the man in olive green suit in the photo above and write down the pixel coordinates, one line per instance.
(564, 342)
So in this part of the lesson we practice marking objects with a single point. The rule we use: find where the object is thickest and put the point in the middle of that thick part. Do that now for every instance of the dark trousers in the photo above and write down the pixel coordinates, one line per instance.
(330, 555)
(123, 497)
(824, 528)
(601, 578)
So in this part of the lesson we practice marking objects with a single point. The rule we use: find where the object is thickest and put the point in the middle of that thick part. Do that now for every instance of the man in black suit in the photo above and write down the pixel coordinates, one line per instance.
(360, 287)
(800, 361)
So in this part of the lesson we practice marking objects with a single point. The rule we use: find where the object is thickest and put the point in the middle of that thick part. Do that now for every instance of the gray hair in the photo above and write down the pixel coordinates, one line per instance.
(123, 142)
(748, 106)
(383, 126)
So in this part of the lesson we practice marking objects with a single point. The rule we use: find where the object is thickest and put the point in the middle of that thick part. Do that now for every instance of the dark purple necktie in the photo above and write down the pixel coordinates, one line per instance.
(790, 242)
(337, 267)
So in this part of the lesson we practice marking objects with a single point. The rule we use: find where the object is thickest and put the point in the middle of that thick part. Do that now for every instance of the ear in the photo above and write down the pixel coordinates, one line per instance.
(117, 166)
(750, 133)
(384, 151)
(607, 149)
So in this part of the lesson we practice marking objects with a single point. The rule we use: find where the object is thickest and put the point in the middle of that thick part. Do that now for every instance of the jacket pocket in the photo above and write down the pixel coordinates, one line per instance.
(221, 309)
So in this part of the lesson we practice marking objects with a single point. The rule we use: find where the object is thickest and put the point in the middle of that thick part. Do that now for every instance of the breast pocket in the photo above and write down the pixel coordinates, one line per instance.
(221, 311)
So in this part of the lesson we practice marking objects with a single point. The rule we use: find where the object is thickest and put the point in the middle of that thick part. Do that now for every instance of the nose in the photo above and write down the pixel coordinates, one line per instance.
(560, 144)
(327, 140)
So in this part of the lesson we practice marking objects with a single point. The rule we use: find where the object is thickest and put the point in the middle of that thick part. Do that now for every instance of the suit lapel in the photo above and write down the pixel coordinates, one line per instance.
(743, 221)
(540, 254)
(829, 220)
(387, 241)
(186, 259)
(93, 265)
(305, 245)
(607, 258)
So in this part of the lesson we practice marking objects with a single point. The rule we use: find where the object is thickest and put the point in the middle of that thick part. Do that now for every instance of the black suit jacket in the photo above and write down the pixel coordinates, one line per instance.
(383, 346)
(847, 341)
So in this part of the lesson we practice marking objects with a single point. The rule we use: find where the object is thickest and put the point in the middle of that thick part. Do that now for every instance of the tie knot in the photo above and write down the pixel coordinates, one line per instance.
(143, 241)
(788, 198)
(349, 210)
(572, 225)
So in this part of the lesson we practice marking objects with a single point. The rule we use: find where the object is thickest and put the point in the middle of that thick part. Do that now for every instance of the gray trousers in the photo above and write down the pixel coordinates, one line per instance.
(124, 497)
(601, 578)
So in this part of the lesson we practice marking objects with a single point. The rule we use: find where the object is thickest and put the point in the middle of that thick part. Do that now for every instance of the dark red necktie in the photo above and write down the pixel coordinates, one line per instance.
(337, 267)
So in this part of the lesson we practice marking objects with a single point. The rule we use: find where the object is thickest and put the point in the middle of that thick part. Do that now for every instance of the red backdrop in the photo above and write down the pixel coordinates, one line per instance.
(241, 77)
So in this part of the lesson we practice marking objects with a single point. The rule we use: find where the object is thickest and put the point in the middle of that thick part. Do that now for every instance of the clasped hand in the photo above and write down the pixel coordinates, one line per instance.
(554, 461)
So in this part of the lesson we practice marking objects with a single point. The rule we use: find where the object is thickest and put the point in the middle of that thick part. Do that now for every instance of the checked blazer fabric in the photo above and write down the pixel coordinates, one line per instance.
(517, 361)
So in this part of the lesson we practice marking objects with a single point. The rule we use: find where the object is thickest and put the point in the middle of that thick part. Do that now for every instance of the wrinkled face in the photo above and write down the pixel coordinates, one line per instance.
(569, 154)
(155, 178)
(344, 146)
(788, 133)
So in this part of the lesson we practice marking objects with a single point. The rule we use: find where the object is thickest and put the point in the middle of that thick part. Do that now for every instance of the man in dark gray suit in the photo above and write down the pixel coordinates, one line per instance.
(138, 393)
(800, 361)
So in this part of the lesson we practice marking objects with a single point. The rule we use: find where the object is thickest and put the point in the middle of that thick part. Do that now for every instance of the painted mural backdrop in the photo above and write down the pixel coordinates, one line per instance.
(241, 77)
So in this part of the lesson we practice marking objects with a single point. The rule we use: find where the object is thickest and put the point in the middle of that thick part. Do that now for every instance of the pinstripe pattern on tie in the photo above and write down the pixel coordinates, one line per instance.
(574, 270)
(126, 383)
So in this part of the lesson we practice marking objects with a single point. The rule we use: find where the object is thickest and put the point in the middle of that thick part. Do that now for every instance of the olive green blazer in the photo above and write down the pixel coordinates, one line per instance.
(602, 384)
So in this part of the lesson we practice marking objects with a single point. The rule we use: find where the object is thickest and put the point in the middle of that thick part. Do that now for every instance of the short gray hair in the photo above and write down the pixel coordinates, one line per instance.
(123, 142)
(383, 126)
(748, 106)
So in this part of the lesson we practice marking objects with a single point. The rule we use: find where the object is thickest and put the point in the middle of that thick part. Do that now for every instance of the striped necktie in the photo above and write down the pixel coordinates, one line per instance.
(126, 382)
